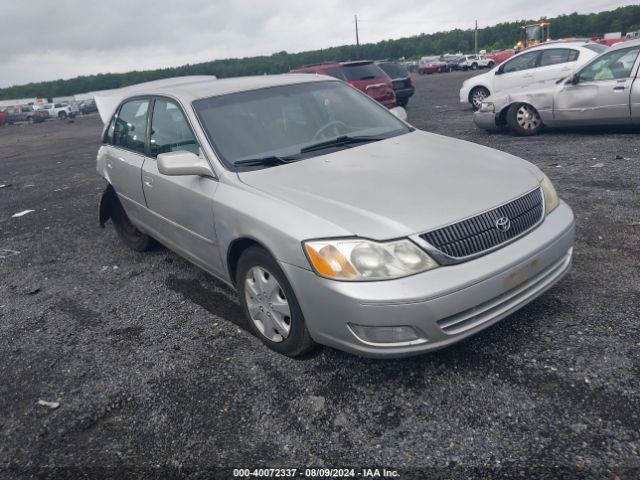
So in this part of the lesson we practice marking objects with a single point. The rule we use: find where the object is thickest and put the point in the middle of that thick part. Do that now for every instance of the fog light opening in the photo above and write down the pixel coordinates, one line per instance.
(387, 336)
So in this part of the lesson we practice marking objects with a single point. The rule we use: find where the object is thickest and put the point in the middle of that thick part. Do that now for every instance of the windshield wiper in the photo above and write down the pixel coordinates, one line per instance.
(269, 160)
(339, 141)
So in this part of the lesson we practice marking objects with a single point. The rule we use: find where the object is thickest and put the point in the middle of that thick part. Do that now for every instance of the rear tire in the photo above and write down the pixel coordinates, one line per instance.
(524, 120)
(30, 120)
(286, 333)
(62, 115)
(128, 233)
(474, 66)
(403, 102)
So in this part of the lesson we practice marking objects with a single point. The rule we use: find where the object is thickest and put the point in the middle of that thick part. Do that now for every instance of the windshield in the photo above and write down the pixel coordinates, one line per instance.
(282, 121)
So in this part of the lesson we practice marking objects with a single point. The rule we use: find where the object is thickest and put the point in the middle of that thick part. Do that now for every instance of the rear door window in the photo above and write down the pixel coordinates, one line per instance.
(555, 56)
(131, 125)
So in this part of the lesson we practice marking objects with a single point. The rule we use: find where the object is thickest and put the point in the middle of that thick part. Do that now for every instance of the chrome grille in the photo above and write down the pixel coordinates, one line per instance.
(478, 234)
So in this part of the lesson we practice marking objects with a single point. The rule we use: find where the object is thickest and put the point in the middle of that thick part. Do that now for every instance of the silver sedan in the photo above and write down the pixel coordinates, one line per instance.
(606, 91)
(337, 222)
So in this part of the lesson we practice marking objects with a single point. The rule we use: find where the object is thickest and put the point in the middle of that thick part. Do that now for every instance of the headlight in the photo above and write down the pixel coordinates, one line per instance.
(357, 260)
(551, 200)
(487, 107)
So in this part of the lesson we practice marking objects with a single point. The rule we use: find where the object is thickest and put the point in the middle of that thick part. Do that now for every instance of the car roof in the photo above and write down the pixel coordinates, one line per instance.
(190, 88)
(626, 44)
(556, 43)
(349, 63)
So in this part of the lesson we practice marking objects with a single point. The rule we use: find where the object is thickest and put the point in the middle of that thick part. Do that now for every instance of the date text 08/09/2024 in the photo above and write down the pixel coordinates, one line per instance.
(315, 473)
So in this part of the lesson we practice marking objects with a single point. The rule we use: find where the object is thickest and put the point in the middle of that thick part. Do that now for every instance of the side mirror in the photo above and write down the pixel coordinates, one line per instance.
(399, 112)
(183, 163)
(573, 79)
(500, 70)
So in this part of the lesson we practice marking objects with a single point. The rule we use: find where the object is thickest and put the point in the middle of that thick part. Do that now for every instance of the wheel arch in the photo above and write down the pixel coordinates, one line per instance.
(107, 202)
(235, 250)
(501, 117)
(481, 85)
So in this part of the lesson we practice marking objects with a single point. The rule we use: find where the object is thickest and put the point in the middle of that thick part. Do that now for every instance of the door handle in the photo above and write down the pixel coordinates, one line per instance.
(148, 181)
(619, 88)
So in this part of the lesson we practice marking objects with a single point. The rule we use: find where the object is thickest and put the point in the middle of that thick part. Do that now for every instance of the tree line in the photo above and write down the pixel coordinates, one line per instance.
(500, 36)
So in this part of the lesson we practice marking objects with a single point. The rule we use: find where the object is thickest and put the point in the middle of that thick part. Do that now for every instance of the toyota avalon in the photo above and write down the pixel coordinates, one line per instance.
(337, 222)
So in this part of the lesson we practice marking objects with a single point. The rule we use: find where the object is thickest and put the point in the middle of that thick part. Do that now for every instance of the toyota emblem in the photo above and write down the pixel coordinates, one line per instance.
(503, 224)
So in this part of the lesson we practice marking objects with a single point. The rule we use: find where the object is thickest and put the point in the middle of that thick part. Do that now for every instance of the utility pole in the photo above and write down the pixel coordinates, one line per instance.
(357, 38)
(476, 38)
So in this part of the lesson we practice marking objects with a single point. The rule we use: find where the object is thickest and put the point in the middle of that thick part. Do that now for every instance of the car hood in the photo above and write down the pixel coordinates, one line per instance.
(399, 186)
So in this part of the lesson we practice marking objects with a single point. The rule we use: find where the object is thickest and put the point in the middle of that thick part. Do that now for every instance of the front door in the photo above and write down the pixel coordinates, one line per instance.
(518, 71)
(601, 91)
(180, 207)
(126, 156)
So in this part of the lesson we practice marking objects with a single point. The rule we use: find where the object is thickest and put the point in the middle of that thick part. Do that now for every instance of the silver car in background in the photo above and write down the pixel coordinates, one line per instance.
(337, 222)
(606, 91)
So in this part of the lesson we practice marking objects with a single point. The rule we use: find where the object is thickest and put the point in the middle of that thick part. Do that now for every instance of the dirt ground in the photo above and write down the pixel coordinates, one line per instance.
(156, 376)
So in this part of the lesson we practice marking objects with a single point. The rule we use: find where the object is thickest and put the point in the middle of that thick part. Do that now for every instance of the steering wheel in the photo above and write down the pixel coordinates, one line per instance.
(333, 123)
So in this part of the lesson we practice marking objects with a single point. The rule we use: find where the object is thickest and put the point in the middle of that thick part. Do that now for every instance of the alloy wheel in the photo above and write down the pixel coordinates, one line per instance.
(478, 97)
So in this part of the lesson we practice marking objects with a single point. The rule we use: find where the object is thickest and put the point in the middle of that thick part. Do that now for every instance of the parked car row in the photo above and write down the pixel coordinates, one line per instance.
(24, 113)
(39, 113)
(602, 91)
(532, 67)
(387, 82)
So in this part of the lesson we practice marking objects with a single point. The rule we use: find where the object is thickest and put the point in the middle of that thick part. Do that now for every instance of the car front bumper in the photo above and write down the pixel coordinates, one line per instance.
(464, 94)
(486, 121)
(443, 305)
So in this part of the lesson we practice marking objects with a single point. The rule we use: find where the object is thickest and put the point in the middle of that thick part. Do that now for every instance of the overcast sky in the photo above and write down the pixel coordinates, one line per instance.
(52, 39)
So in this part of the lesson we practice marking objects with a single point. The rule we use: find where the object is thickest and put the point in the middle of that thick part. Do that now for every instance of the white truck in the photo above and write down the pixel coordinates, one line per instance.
(474, 62)
(58, 110)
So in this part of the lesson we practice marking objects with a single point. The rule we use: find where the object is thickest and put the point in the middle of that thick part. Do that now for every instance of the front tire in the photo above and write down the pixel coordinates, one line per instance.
(30, 120)
(524, 120)
(62, 115)
(128, 233)
(477, 96)
(474, 66)
(271, 307)
(403, 102)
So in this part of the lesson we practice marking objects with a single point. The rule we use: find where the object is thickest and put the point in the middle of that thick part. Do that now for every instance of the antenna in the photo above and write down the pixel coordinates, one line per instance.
(476, 38)
(357, 37)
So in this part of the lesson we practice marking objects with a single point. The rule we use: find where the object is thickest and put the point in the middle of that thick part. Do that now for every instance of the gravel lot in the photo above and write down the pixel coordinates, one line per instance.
(155, 375)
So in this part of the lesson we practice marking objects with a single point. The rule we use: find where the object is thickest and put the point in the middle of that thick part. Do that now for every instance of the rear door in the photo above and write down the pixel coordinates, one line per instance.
(555, 63)
(180, 207)
(602, 92)
(516, 72)
(126, 155)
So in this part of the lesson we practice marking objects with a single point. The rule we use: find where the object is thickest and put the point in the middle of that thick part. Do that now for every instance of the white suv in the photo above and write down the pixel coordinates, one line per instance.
(58, 110)
(538, 65)
(474, 62)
